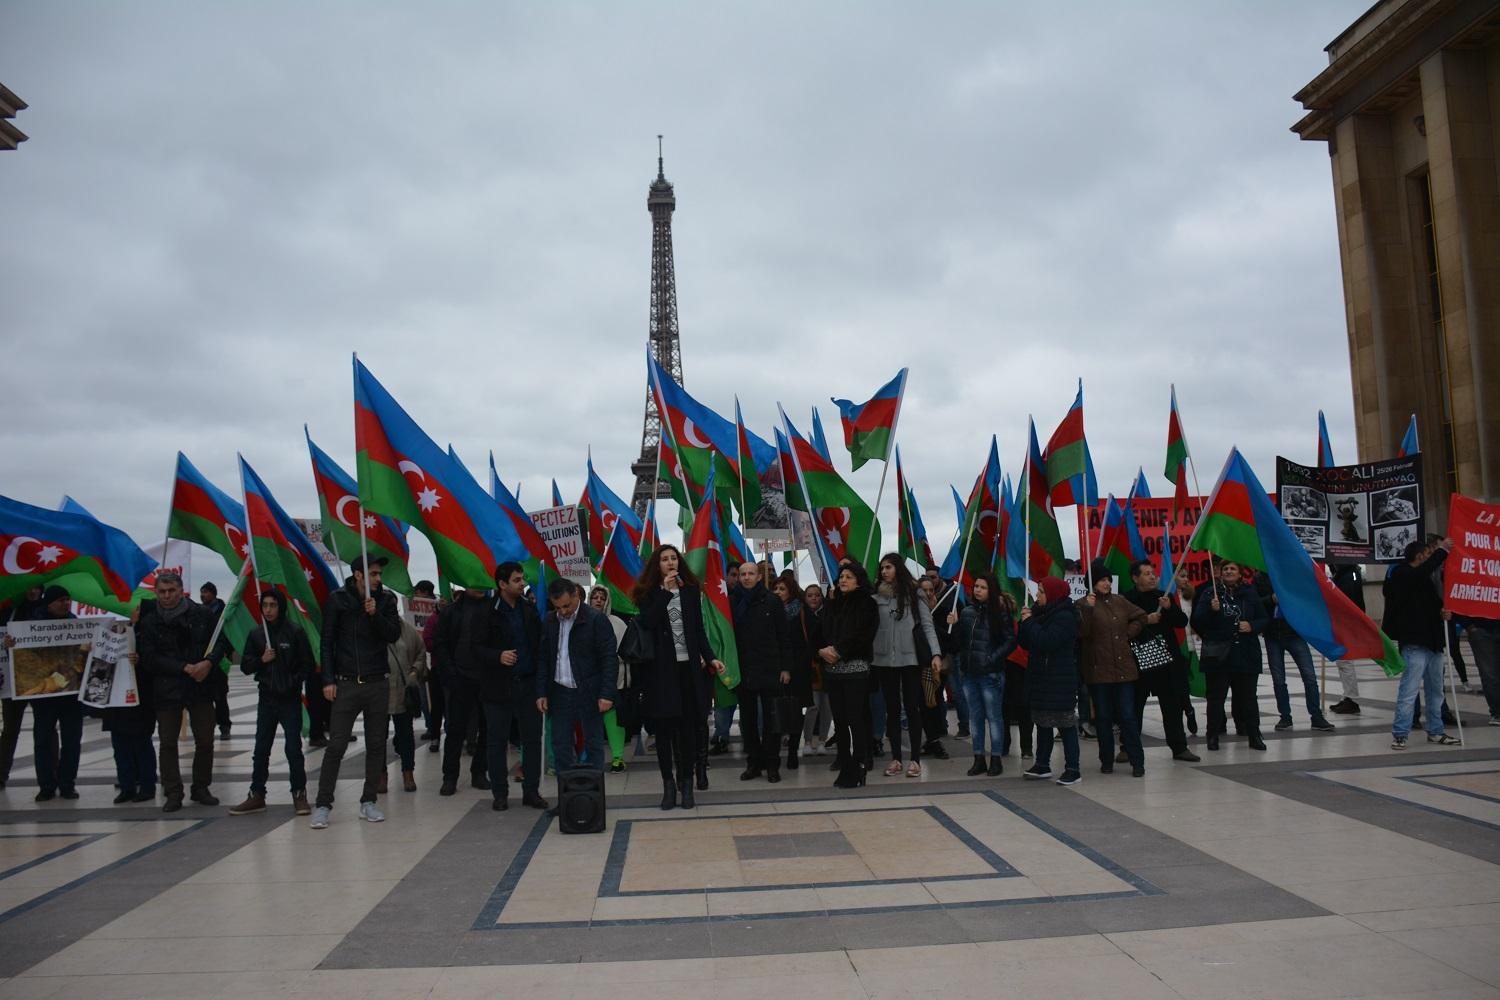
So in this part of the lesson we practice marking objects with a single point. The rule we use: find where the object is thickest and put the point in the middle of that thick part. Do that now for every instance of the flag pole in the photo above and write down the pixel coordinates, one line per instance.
(364, 551)
(1026, 477)
(1197, 493)
(166, 535)
(236, 594)
(889, 444)
(1458, 712)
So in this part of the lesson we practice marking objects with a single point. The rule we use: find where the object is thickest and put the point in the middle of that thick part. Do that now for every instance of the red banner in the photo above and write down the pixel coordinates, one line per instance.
(1150, 515)
(1471, 573)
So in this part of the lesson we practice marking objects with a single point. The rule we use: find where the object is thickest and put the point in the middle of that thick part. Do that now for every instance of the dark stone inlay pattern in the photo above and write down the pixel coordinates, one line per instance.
(757, 846)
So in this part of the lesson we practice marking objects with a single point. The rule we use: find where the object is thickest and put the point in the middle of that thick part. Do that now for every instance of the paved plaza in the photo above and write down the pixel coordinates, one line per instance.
(1328, 866)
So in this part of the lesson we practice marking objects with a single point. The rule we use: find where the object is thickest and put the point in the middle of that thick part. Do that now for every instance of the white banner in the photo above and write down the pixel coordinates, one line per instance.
(109, 680)
(419, 609)
(560, 529)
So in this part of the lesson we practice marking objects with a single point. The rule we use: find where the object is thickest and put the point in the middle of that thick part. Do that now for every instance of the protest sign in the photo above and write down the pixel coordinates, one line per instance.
(1348, 514)
(1150, 515)
(312, 527)
(419, 609)
(1471, 573)
(560, 529)
(50, 656)
(109, 679)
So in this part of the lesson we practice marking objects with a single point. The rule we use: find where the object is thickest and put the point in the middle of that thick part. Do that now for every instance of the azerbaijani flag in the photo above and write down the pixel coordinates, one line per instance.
(1197, 683)
(557, 500)
(952, 561)
(404, 473)
(619, 567)
(1409, 444)
(605, 509)
(205, 515)
(911, 542)
(86, 589)
(796, 499)
(1044, 555)
(1141, 488)
(846, 522)
(696, 433)
(338, 504)
(73, 550)
(705, 557)
(539, 554)
(748, 480)
(819, 440)
(1177, 458)
(282, 554)
(1070, 467)
(870, 427)
(1240, 523)
(1325, 446)
(981, 520)
(1120, 539)
(650, 534)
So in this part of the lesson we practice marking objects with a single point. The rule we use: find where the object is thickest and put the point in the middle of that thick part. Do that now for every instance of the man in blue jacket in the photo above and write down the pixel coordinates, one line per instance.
(576, 674)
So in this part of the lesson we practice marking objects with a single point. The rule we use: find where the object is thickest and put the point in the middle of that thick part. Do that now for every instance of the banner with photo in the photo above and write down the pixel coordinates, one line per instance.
(1348, 514)
(49, 658)
(109, 680)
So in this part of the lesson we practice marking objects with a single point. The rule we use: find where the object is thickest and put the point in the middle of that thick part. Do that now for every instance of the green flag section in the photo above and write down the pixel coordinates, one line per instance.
(845, 522)
(705, 557)
(339, 509)
(1044, 554)
(747, 482)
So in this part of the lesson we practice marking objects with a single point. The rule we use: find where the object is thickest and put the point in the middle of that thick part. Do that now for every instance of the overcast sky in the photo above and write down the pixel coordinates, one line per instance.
(220, 202)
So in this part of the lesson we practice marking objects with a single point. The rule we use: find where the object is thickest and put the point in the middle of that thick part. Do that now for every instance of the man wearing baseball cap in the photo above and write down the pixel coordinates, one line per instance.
(360, 621)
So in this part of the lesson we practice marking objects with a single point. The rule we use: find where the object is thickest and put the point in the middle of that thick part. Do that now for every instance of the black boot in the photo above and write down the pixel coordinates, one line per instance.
(702, 774)
(1256, 743)
(668, 794)
(997, 766)
(852, 776)
(685, 790)
(791, 754)
(979, 767)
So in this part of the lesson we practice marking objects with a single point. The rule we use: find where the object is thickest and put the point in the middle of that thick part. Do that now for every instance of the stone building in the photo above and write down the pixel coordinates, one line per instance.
(1409, 107)
(10, 136)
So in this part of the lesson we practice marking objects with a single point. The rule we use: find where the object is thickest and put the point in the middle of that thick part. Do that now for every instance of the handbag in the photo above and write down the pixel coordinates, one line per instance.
(637, 645)
(931, 685)
(1152, 653)
(413, 702)
(1216, 649)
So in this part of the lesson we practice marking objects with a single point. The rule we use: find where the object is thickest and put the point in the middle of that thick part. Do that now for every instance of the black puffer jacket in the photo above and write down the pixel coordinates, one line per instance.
(354, 643)
(167, 648)
(762, 638)
(850, 622)
(1050, 638)
(980, 649)
(282, 679)
(1413, 604)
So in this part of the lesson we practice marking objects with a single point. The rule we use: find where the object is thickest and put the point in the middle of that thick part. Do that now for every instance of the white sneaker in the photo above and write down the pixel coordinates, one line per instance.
(815, 749)
(1494, 720)
(320, 818)
(369, 812)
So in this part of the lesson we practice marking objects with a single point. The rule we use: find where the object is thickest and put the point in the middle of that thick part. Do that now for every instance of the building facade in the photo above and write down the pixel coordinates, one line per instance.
(1410, 109)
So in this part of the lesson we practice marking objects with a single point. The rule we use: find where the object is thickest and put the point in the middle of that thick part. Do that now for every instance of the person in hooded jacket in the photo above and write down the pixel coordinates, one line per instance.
(984, 639)
(1049, 634)
(1230, 618)
(280, 659)
(762, 638)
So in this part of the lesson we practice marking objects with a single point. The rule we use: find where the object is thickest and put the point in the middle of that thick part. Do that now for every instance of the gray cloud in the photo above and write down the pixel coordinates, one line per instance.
(219, 203)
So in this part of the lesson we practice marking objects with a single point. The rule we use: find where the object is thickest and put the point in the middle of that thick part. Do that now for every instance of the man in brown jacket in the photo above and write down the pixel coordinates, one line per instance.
(1107, 623)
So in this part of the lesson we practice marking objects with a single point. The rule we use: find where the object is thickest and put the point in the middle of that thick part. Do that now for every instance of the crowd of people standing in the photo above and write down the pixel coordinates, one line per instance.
(869, 670)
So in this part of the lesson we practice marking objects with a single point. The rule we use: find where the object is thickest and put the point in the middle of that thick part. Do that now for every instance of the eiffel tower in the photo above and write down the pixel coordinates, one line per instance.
(662, 333)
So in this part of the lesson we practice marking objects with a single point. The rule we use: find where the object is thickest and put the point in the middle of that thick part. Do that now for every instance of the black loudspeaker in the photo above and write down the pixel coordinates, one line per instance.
(580, 800)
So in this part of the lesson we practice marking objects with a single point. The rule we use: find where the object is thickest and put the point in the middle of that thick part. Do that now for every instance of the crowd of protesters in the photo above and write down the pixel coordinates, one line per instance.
(869, 670)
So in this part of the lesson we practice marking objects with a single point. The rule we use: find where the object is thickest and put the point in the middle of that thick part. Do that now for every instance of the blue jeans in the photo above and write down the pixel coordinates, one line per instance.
(1424, 671)
(567, 707)
(983, 693)
(1276, 650)
(269, 716)
(1114, 705)
(135, 762)
(877, 714)
(723, 719)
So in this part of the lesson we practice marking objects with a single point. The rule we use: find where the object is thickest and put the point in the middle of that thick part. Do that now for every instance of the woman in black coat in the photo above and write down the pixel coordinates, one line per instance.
(800, 687)
(678, 683)
(1230, 618)
(1049, 634)
(849, 626)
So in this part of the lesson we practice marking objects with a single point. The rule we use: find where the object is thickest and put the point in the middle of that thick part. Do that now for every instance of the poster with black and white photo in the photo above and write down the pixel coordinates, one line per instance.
(109, 678)
(1350, 514)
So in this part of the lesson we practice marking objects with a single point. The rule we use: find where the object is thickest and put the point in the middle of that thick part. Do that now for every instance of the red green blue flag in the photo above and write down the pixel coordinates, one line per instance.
(74, 550)
(283, 554)
(981, 520)
(1141, 488)
(1044, 553)
(404, 474)
(605, 509)
(619, 567)
(205, 515)
(1070, 467)
(748, 480)
(539, 555)
(819, 440)
(911, 542)
(1409, 445)
(338, 505)
(845, 521)
(705, 557)
(557, 500)
(1177, 458)
(870, 427)
(1241, 524)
